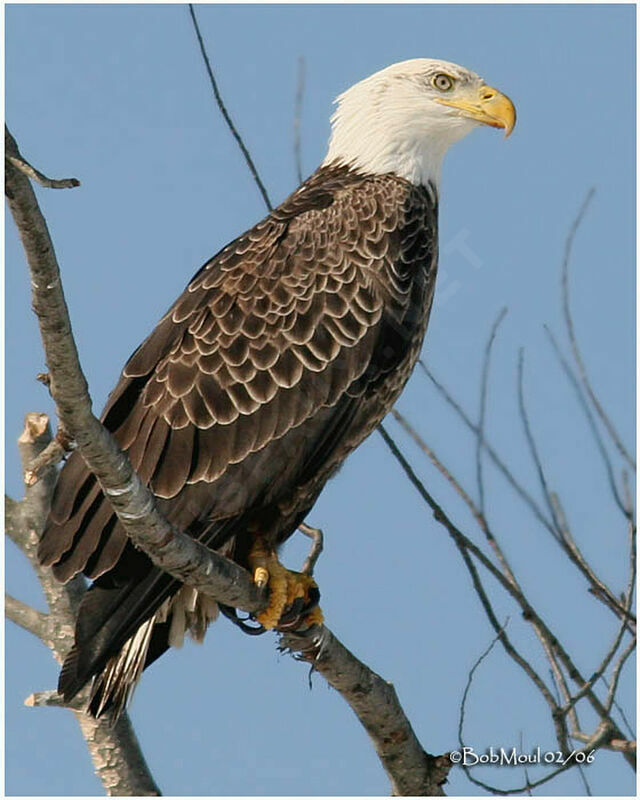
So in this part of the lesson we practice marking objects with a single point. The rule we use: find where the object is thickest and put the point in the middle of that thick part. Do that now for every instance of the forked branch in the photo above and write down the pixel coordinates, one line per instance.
(117, 759)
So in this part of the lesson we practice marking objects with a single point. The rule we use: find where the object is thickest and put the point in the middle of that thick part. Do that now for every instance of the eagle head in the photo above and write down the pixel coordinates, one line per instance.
(403, 119)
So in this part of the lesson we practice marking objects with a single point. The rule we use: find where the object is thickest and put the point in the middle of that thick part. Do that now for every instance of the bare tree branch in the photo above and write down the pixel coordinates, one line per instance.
(617, 671)
(533, 448)
(317, 538)
(51, 699)
(590, 419)
(31, 172)
(623, 716)
(566, 307)
(554, 708)
(25, 616)
(617, 745)
(411, 770)
(114, 750)
(477, 514)
(484, 385)
(499, 463)
(52, 454)
(544, 633)
(463, 703)
(465, 545)
(561, 531)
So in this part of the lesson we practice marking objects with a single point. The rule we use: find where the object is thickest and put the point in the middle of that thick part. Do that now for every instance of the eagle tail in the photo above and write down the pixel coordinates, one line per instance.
(119, 632)
(112, 688)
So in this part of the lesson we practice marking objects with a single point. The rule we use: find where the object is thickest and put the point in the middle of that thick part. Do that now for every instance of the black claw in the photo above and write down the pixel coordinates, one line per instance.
(289, 621)
(295, 613)
(232, 614)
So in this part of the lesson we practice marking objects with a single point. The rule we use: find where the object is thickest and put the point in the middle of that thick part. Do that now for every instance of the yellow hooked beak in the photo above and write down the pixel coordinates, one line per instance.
(486, 105)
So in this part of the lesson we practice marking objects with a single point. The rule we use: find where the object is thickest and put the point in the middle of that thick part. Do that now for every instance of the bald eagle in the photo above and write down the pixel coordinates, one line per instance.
(284, 352)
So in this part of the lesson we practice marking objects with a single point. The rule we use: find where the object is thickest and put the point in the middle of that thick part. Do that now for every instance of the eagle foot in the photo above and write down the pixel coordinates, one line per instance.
(293, 596)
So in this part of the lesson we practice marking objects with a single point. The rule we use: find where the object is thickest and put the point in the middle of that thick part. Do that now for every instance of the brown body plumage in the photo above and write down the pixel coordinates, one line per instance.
(284, 352)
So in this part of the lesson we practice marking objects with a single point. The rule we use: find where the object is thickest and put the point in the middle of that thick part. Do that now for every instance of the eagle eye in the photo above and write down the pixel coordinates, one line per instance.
(442, 82)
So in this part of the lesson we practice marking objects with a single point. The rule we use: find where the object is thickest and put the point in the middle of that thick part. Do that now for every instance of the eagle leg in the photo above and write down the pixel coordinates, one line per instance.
(293, 596)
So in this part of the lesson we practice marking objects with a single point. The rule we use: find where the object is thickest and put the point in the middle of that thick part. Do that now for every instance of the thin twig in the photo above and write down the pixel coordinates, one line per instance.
(585, 782)
(617, 671)
(557, 716)
(317, 537)
(53, 453)
(631, 525)
(297, 118)
(628, 498)
(533, 448)
(516, 593)
(564, 695)
(50, 698)
(465, 545)
(508, 646)
(598, 740)
(524, 769)
(225, 113)
(566, 307)
(562, 531)
(467, 688)
(589, 415)
(506, 472)
(598, 588)
(28, 618)
(19, 162)
(475, 511)
(616, 745)
(600, 669)
(453, 530)
(484, 383)
(623, 716)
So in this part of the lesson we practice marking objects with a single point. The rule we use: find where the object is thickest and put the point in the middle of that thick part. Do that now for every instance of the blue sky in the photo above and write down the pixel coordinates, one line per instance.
(117, 96)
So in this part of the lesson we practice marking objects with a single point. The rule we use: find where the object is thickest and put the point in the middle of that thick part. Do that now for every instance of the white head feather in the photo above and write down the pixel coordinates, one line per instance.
(394, 121)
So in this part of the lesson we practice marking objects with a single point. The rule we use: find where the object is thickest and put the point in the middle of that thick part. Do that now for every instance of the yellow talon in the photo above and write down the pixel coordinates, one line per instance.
(261, 577)
(285, 587)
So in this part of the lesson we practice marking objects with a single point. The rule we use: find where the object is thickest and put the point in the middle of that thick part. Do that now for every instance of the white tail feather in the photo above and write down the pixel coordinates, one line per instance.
(119, 678)
(189, 610)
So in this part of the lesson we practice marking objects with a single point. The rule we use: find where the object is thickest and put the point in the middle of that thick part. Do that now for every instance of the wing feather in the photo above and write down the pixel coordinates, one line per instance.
(108, 553)
(85, 544)
(174, 466)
